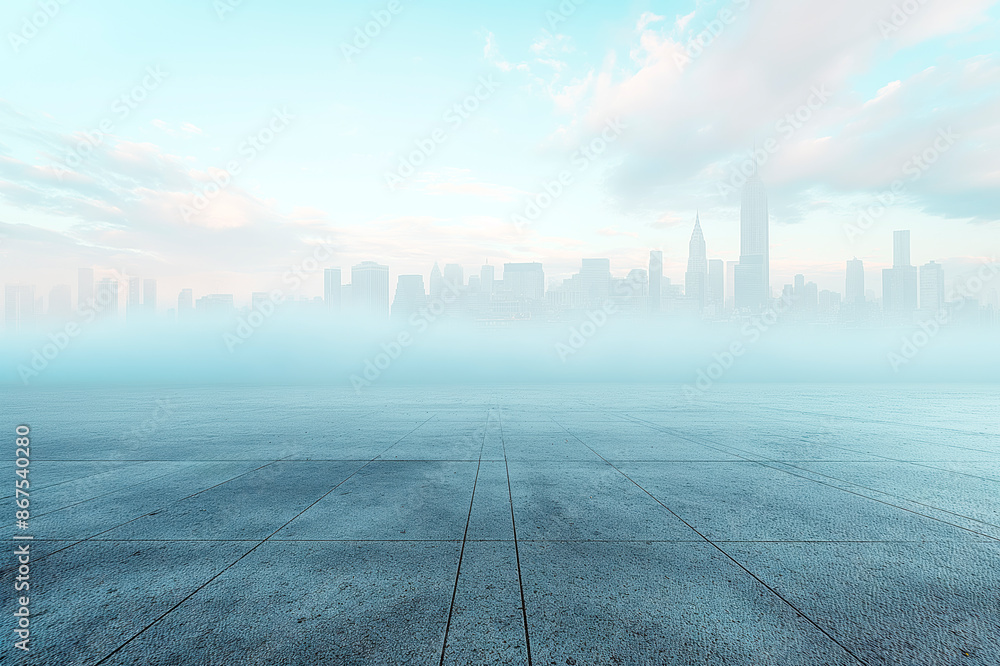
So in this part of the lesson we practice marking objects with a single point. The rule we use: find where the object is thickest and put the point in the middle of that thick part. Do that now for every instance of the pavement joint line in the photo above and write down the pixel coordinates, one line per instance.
(86, 476)
(95, 497)
(517, 550)
(465, 538)
(917, 463)
(394, 444)
(924, 441)
(726, 554)
(921, 441)
(895, 496)
(763, 463)
(869, 420)
(114, 527)
(241, 557)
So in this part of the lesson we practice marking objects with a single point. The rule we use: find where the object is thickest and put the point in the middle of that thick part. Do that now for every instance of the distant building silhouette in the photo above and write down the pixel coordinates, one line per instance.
(655, 280)
(259, 301)
(899, 283)
(436, 282)
(716, 294)
(753, 274)
(855, 308)
(931, 287)
(333, 289)
(525, 281)
(106, 298)
(410, 296)
(731, 285)
(595, 281)
(216, 305)
(185, 304)
(854, 293)
(149, 295)
(19, 306)
(696, 277)
(829, 304)
(133, 302)
(487, 278)
(370, 290)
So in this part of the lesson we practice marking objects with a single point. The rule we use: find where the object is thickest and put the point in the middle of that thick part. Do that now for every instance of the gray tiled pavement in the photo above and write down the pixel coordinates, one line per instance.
(515, 525)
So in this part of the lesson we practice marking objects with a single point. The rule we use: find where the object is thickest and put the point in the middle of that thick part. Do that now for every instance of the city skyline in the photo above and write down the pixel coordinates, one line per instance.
(711, 288)
(708, 291)
(520, 102)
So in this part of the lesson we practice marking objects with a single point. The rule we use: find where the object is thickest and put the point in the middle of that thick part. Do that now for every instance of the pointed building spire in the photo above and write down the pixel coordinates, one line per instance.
(696, 277)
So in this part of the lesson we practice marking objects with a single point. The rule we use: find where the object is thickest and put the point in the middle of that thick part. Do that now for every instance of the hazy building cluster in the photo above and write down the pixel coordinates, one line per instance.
(713, 290)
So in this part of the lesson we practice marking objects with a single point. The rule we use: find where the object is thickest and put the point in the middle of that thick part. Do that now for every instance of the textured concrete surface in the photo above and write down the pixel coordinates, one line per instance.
(516, 525)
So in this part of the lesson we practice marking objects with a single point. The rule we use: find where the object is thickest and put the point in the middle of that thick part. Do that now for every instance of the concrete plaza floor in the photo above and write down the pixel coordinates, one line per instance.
(514, 525)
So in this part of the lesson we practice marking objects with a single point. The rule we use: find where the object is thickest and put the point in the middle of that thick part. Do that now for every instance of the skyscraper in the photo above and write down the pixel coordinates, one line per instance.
(436, 282)
(370, 289)
(410, 296)
(133, 303)
(753, 275)
(487, 276)
(800, 285)
(524, 281)
(696, 277)
(731, 285)
(809, 298)
(106, 298)
(19, 306)
(716, 294)
(855, 291)
(185, 303)
(900, 249)
(829, 302)
(85, 288)
(931, 287)
(595, 281)
(216, 305)
(655, 279)
(900, 283)
(332, 283)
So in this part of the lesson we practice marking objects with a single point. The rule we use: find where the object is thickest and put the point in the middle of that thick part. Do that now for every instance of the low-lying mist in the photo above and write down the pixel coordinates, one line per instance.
(292, 348)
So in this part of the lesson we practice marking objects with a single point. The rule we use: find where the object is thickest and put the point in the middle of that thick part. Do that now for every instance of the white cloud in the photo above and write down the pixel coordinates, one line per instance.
(646, 19)
(882, 93)
(763, 65)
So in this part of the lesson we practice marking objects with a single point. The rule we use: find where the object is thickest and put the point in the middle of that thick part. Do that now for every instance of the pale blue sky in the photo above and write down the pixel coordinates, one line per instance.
(688, 126)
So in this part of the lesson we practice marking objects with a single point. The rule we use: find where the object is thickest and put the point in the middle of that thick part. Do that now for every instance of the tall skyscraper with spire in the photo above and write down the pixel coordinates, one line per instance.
(753, 273)
(436, 282)
(696, 277)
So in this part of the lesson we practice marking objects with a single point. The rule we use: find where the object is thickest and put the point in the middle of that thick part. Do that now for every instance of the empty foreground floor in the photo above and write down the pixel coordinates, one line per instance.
(539, 525)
